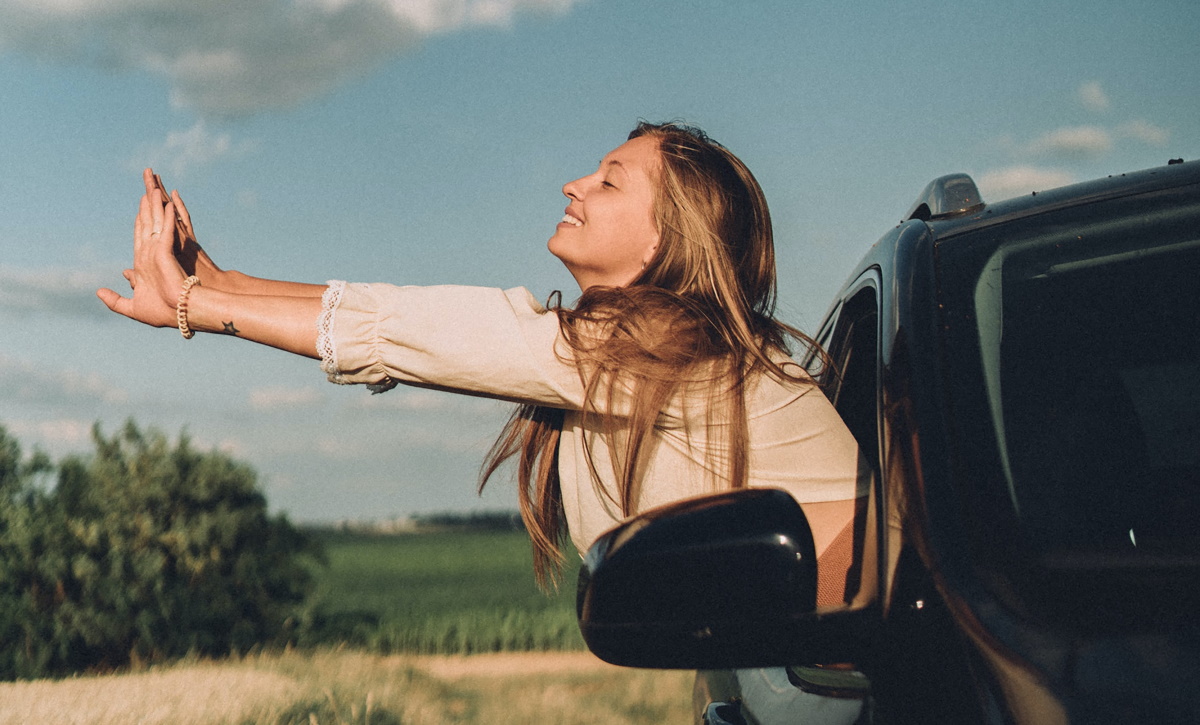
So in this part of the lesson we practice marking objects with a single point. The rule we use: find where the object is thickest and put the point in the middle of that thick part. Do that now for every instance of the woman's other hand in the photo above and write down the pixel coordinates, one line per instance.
(192, 257)
(157, 276)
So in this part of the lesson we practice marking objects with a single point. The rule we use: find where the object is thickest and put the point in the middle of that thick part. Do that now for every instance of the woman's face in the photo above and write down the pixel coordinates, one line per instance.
(608, 235)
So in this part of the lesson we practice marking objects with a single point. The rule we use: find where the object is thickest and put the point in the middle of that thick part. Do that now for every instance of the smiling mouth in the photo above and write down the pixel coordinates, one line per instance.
(568, 219)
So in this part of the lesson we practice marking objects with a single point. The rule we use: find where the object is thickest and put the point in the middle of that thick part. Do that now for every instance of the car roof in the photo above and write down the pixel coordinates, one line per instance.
(965, 211)
(1173, 175)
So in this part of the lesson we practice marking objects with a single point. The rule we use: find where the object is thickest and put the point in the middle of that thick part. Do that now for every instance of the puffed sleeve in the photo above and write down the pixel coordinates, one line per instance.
(474, 340)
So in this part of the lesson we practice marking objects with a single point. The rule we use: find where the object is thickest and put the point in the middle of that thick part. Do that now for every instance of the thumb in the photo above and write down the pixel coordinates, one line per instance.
(114, 301)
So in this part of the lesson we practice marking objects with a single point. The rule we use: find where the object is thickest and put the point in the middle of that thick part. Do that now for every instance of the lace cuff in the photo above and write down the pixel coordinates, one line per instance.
(330, 299)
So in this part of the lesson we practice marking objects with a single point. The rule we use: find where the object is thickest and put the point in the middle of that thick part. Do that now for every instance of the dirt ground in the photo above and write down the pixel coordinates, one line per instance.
(212, 693)
(509, 663)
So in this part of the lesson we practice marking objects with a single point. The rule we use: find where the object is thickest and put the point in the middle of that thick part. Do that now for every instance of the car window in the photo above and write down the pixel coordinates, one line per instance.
(853, 386)
(1086, 355)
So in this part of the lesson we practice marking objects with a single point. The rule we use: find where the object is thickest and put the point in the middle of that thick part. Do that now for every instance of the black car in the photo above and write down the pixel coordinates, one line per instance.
(1025, 378)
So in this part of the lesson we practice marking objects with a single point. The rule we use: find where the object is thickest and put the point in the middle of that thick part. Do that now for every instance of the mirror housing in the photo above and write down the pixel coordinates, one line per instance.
(722, 581)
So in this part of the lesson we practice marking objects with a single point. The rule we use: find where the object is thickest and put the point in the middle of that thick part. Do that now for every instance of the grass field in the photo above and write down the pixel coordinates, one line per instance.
(450, 592)
(391, 602)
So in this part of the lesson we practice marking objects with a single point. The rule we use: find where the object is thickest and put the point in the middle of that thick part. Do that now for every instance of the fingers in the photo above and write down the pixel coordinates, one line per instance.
(154, 240)
(148, 226)
(154, 185)
(167, 233)
(185, 219)
(141, 225)
(156, 212)
(153, 182)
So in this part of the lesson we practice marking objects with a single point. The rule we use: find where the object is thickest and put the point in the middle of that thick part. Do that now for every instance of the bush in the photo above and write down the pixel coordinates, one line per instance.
(141, 552)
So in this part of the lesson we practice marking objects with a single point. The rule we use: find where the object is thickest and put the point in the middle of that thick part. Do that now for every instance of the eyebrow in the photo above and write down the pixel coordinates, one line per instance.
(618, 164)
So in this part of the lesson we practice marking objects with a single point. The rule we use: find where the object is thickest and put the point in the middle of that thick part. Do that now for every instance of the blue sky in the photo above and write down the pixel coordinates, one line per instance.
(427, 141)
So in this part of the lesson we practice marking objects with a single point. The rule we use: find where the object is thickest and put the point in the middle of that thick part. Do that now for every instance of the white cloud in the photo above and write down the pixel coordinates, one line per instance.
(1074, 142)
(56, 290)
(183, 150)
(55, 436)
(238, 58)
(1019, 180)
(1145, 132)
(26, 381)
(1093, 97)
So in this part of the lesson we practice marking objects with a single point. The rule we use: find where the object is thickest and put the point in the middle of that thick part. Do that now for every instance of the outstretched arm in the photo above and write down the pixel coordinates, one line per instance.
(261, 311)
(286, 323)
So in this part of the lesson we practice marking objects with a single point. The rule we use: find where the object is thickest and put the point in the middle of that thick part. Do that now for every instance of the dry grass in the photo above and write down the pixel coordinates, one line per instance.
(353, 688)
(187, 695)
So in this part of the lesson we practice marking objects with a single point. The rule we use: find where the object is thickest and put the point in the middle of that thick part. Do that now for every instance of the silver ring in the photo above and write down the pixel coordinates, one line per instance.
(155, 234)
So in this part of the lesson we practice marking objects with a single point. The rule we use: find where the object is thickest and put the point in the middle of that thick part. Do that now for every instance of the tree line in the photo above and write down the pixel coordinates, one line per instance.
(144, 550)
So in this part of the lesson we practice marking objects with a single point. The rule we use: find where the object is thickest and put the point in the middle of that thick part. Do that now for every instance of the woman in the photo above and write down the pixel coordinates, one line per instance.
(670, 377)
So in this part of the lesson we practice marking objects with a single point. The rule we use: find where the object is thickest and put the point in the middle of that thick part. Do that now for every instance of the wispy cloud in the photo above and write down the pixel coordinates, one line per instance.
(1074, 142)
(1091, 94)
(55, 436)
(25, 381)
(1018, 180)
(1083, 142)
(282, 398)
(239, 58)
(1036, 163)
(184, 150)
(56, 290)
(1145, 132)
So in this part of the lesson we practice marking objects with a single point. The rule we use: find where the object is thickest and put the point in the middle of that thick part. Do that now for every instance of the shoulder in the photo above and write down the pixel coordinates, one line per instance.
(772, 388)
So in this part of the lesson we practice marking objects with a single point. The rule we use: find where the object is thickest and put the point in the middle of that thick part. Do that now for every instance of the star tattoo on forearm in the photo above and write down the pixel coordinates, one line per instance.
(229, 328)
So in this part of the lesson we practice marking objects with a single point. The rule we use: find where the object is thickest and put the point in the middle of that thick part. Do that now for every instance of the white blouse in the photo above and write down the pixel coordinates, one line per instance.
(503, 344)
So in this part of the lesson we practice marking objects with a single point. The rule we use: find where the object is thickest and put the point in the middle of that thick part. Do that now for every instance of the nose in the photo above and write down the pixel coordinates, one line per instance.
(574, 189)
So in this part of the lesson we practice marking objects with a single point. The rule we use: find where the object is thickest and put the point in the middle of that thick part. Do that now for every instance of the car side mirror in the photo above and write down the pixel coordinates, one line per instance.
(715, 582)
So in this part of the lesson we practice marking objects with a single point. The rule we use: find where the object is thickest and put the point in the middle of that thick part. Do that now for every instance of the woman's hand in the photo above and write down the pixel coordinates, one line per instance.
(157, 276)
(190, 254)
(272, 312)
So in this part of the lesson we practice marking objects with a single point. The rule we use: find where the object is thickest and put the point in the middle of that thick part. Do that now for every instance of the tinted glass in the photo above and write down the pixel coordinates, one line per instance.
(1078, 376)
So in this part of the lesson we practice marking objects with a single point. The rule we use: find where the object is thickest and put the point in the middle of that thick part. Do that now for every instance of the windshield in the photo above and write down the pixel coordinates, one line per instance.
(1082, 364)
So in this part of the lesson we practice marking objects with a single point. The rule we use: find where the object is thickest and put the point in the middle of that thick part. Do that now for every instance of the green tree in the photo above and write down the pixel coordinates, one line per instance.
(29, 560)
(144, 550)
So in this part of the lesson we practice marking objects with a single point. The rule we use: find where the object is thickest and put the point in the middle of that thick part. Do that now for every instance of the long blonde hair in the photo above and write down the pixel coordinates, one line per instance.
(700, 316)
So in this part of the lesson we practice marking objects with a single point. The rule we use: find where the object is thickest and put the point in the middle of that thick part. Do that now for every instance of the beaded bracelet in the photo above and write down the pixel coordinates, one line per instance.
(181, 307)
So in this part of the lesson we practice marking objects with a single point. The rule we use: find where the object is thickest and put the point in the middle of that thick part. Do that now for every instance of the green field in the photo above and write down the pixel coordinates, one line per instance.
(446, 592)
(395, 612)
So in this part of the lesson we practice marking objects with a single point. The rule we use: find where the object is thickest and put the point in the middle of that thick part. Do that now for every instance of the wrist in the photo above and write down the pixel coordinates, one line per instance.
(287, 323)
(205, 305)
(227, 280)
(243, 284)
(181, 306)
